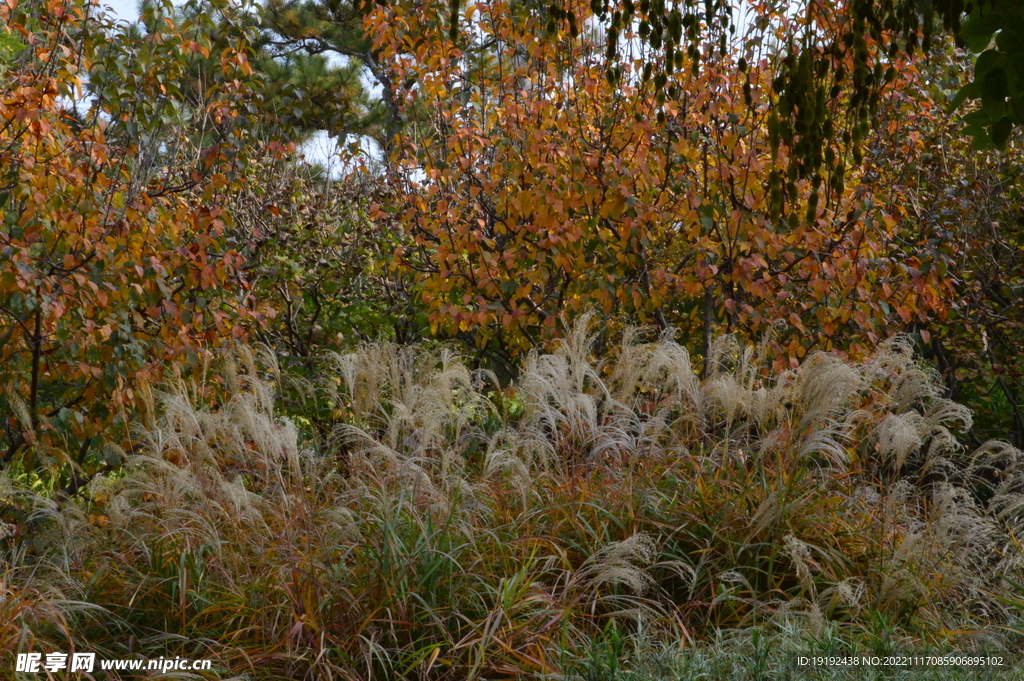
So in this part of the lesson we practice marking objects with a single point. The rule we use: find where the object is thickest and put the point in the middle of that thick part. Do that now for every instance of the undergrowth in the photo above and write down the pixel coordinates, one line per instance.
(622, 519)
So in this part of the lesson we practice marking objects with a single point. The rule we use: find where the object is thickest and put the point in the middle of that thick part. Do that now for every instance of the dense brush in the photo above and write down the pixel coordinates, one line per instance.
(442, 534)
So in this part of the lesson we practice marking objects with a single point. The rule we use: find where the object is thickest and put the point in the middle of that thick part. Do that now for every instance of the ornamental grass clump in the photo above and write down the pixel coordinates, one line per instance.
(441, 534)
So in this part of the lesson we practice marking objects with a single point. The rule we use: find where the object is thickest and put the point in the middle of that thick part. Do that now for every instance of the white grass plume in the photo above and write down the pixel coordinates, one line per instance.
(623, 562)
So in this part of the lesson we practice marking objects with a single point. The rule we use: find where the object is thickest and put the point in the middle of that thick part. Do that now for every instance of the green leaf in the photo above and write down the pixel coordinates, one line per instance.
(993, 94)
(9, 46)
(970, 91)
(978, 30)
(980, 141)
(1017, 106)
(978, 118)
(1011, 31)
(989, 60)
(1000, 131)
(994, 85)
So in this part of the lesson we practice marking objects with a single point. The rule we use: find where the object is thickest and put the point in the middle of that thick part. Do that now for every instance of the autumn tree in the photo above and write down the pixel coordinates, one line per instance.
(546, 187)
(112, 253)
(855, 44)
(963, 211)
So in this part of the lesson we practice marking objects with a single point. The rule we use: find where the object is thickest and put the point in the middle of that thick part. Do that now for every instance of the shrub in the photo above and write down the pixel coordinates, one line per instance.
(453, 531)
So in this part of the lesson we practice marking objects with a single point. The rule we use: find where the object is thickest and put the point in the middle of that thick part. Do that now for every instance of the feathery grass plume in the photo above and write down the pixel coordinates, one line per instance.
(452, 540)
(653, 392)
(565, 395)
(20, 409)
(668, 372)
(219, 499)
(946, 414)
(917, 386)
(971, 539)
(623, 563)
(505, 454)
(900, 383)
(902, 579)
(824, 387)
(368, 373)
(650, 390)
(619, 563)
(998, 467)
(725, 352)
(896, 504)
(629, 370)
(828, 442)
(426, 418)
(799, 552)
(40, 600)
(767, 406)
(722, 391)
(726, 394)
(898, 436)
(847, 594)
(891, 358)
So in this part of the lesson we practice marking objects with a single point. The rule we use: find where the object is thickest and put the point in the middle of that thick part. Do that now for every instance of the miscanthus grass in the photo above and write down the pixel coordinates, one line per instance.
(599, 519)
